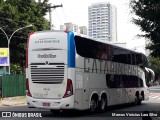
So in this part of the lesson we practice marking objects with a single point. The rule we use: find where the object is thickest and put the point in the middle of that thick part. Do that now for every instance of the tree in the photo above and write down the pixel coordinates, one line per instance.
(148, 19)
(154, 64)
(15, 14)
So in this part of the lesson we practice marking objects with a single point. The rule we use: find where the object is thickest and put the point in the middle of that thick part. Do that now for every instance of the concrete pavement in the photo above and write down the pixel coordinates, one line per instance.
(155, 87)
(13, 101)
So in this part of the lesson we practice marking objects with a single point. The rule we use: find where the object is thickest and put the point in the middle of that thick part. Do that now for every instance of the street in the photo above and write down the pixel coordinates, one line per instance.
(151, 105)
(59, 55)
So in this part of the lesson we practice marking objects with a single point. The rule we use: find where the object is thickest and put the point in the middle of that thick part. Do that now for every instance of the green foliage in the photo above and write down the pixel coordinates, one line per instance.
(15, 14)
(148, 19)
(16, 69)
(154, 64)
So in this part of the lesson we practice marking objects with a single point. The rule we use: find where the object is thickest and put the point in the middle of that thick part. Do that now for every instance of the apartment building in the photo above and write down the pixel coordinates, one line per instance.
(74, 27)
(102, 21)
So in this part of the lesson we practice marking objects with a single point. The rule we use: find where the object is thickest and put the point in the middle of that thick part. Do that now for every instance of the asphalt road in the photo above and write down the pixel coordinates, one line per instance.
(153, 105)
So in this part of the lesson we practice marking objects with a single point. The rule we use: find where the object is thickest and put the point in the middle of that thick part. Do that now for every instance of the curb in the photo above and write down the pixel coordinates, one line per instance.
(14, 98)
(13, 104)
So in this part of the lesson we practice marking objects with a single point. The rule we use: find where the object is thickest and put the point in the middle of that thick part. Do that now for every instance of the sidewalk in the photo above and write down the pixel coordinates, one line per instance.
(13, 101)
(155, 87)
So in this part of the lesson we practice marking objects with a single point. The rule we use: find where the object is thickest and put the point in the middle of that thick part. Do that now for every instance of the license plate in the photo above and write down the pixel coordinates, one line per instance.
(46, 104)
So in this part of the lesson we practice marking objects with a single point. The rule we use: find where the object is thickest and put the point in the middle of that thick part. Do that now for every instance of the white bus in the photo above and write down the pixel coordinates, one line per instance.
(68, 71)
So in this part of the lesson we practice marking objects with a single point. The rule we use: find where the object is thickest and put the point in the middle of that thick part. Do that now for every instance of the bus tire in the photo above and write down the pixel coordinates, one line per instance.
(142, 95)
(93, 105)
(138, 100)
(103, 104)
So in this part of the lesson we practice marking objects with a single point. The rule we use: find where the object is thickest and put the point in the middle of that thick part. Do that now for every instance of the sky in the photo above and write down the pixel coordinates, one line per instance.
(76, 11)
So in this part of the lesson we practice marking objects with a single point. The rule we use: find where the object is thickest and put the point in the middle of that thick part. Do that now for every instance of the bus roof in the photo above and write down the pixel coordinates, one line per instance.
(91, 38)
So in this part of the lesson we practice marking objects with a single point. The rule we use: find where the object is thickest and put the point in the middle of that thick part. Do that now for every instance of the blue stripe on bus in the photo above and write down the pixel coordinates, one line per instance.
(71, 50)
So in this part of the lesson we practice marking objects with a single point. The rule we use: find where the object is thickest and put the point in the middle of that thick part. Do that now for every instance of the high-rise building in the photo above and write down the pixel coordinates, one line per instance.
(70, 26)
(62, 27)
(73, 27)
(102, 21)
(83, 30)
(121, 44)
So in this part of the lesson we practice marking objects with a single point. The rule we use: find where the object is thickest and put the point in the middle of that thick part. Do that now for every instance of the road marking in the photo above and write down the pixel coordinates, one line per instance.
(154, 97)
(154, 94)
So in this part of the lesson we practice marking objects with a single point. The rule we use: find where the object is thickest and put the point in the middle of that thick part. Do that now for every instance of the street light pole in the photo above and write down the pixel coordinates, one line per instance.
(16, 31)
(9, 39)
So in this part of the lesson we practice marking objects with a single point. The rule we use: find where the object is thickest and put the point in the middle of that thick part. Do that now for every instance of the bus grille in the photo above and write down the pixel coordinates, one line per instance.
(50, 74)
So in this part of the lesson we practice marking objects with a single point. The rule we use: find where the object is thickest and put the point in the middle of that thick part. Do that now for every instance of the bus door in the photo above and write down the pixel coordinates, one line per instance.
(124, 95)
(123, 89)
(86, 90)
(82, 91)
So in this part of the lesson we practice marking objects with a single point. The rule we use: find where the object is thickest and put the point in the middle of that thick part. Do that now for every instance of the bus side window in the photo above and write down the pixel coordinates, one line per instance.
(133, 59)
(110, 80)
(107, 80)
(129, 55)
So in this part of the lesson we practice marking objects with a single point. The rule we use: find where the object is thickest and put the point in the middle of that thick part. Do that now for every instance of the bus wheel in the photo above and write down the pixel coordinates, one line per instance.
(93, 105)
(138, 100)
(103, 104)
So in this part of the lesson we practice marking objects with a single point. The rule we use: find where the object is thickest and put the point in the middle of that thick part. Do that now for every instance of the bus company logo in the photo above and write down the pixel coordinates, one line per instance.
(46, 63)
(46, 56)
(47, 40)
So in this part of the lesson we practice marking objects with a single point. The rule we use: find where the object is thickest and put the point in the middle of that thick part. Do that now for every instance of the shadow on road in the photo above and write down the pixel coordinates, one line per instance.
(87, 113)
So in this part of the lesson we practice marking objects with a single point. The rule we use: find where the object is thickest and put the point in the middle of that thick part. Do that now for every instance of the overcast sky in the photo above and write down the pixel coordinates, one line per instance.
(76, 11)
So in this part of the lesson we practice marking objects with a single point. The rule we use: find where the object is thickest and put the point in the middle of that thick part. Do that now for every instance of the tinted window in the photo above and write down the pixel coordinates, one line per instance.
(133, 58)
(93, 49)
(97, 50)
(123, 81)
(144, 61)
(121, 55)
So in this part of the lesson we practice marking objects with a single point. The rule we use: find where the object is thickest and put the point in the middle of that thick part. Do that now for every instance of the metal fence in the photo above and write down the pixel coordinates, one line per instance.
(12, 85)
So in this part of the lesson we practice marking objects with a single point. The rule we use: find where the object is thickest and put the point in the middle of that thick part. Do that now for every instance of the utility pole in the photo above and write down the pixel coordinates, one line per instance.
(50, 13)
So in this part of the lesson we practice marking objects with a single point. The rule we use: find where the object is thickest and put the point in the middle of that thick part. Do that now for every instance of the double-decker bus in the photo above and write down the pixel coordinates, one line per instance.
(69, 71)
